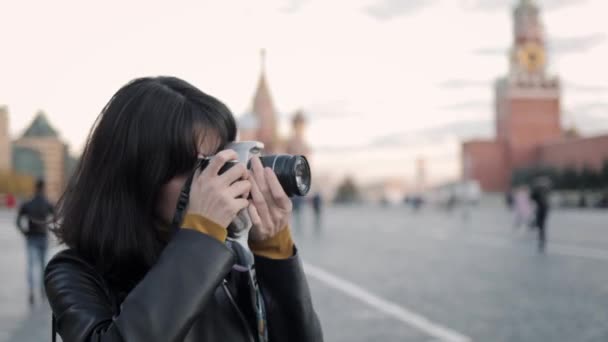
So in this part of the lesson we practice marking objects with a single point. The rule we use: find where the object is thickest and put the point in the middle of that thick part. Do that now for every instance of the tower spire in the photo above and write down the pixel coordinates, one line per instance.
(263, 108)
(263, 60)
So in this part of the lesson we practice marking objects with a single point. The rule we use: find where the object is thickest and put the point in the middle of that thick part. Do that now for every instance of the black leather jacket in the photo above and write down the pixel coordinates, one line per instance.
(191, 294)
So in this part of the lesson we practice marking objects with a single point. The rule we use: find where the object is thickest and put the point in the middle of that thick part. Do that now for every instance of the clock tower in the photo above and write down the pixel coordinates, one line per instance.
(527, 110)
(528, 99)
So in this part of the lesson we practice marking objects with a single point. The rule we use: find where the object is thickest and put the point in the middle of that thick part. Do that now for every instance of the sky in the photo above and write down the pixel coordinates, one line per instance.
(382, 82)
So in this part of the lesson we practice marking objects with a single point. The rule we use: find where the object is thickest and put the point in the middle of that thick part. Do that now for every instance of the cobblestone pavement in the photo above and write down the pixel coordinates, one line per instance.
(389, 274)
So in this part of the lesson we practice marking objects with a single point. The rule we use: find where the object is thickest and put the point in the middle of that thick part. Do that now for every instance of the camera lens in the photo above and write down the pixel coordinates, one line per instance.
(293, 173)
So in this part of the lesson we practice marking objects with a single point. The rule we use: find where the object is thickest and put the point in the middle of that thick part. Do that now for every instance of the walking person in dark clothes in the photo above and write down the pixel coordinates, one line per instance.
(297, 203)
(540, 196)
(37, 211)
(317, 206)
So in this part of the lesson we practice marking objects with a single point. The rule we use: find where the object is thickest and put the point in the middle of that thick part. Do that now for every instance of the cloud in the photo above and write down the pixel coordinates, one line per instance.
(419, 138)
(321, 114)
(324, 110)
(590, 107)
(590, 118)
(462, 83)
(467, 105)
(576, 44)
(583, 88)
(292, 6)
(491, 51)
(459, 129)
(390, 9)
(500, 5)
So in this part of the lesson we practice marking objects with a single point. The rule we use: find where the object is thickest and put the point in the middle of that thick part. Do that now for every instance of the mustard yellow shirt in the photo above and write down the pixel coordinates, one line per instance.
(279, 246)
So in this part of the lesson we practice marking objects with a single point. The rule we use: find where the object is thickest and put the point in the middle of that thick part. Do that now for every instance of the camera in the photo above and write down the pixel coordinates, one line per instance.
(292, 171)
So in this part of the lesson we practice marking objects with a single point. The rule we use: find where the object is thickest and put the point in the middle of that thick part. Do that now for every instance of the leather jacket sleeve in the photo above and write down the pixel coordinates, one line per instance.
(289, 309)
(162, 307)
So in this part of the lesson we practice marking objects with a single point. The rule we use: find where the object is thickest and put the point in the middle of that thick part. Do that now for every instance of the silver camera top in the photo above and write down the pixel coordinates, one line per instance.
(246, 149)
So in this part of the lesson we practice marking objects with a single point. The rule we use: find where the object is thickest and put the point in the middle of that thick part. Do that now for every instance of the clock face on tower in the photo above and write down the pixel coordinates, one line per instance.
(531, 56)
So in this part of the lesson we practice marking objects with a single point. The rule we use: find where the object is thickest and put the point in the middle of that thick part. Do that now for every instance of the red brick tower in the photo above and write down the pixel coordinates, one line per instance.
(527, 104)
(527, 99)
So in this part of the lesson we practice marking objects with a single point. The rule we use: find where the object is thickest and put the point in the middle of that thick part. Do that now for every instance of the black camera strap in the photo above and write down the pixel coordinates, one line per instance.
(184, 195)
(255, 294)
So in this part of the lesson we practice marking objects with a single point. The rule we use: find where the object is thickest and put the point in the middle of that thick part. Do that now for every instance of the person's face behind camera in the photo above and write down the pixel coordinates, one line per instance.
(169, 193)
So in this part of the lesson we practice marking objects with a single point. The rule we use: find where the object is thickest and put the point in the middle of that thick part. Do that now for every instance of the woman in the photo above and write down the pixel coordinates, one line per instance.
(128, 274)
(523, 207)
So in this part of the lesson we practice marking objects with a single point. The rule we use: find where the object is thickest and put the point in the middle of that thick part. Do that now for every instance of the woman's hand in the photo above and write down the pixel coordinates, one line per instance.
(269, 207)
(220, 197)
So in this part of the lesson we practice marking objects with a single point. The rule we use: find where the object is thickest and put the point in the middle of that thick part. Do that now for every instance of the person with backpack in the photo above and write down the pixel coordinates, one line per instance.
(37, 212)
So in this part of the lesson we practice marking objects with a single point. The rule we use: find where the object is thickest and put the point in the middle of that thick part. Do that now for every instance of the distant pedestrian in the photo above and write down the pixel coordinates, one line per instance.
(297, 204)
(540, 196)
(522, 207)
(317, 206)
(37, 212)
(509, 199)
(451, 202)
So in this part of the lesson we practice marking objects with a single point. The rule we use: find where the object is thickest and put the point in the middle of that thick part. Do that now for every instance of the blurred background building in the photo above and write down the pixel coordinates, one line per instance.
(5, 141)
(261, 122)
(528, 111)
(39, 153)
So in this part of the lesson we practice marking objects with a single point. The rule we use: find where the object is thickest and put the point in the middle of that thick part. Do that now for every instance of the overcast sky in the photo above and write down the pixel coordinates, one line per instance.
(382, 81)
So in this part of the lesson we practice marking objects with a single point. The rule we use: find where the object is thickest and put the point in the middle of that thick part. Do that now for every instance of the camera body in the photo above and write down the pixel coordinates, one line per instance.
(240, 226)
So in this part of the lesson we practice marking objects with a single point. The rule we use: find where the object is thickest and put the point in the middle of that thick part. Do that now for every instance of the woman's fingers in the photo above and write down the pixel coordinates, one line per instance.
(218, 160)
(260, 202)
(254, 215)
(240, 189)
(195, 177)
(237, 172)
(234, 173)
(258, 174)
(240, 204)
(278, 194)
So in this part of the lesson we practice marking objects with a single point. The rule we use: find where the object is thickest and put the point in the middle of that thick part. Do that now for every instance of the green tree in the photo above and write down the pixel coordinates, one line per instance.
(604, 175)
(569, 179)
(347, 192)
(526, 176)
(592, 179)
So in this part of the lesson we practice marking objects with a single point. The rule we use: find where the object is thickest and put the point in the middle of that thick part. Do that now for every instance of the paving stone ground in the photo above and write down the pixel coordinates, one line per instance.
(478, 276)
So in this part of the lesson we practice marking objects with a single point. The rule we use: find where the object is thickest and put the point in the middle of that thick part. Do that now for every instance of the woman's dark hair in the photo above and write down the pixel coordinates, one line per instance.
(149, 132)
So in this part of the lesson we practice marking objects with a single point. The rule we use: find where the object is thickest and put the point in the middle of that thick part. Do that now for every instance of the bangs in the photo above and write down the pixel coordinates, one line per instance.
(149, 132)
(197, 125)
